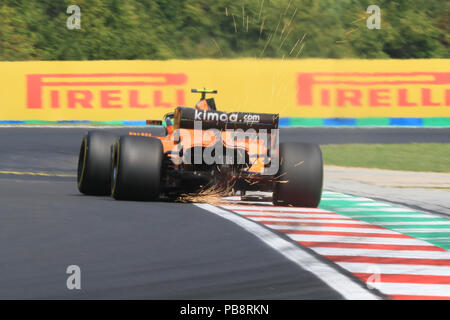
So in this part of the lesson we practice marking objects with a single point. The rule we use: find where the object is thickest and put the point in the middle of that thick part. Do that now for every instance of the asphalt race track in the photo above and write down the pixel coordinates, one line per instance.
(366, 135)
(136, 249)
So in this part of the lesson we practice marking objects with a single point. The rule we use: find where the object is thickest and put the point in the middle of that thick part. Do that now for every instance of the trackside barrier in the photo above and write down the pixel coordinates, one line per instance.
(306, 92)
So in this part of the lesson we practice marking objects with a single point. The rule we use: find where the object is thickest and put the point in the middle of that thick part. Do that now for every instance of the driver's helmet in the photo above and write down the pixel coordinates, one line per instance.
(202, 105)
(168, 119)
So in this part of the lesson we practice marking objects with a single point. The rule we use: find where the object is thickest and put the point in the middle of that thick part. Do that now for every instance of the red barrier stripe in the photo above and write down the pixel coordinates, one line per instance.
(369, 246)
(410, 297)
(281, 211)
(343, 233)
(298, 218)
(407, 278)
(385, 260)
(344, 225)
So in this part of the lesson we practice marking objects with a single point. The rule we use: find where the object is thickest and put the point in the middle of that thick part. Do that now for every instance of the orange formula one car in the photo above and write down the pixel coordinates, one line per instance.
(202, 147)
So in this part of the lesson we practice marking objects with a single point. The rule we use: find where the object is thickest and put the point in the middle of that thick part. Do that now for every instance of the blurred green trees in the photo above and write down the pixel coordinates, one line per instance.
(167, 29)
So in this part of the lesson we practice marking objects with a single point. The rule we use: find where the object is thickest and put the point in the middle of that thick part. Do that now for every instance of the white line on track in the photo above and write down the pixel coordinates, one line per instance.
(422, 230)
(254, 203)
(352, 209)
(411, 223)
(272, 209)
(346, 221)
(283, 214)
(347, 199)
(413, 254)
(442, 290)
(373, 204)
(333, 229)
(414, 215)
(251, 209)
(346, 286)
(363, 240)
(360, 267)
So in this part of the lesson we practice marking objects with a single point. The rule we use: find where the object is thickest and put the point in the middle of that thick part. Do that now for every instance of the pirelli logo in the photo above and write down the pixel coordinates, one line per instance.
(377, 90)
(105, 90)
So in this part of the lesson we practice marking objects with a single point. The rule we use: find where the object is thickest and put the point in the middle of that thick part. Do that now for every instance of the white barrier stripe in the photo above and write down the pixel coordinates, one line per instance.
(360, 267)
(344, 285)
(353, 209)
(393, 216)
(423, 230)
(334, 198)
(413, 254)
(374, 204)
(347, 199)
(337, 195)
(361, 240)
(333, 229)
(329, 192)
(340, 195)
(411, 223)
(300, 215)
(442, 290)
(252, 210)
(309, 220)
(273, 209)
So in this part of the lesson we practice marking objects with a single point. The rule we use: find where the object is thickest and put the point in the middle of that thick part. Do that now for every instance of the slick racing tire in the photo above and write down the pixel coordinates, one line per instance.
(94, 163)
(136, 170)
(300, 175)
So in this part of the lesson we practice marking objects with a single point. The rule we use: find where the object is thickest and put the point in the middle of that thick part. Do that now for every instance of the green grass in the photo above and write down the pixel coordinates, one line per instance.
(430, 157)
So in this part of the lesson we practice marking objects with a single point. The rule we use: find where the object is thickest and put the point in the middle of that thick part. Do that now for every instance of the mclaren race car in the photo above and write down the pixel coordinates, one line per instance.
(201, 148)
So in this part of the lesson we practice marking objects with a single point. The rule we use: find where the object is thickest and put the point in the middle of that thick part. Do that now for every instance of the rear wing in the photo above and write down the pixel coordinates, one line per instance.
(186, 117)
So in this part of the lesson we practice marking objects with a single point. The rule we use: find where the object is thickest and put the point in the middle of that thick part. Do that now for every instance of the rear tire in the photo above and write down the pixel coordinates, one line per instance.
(94, 163)
(136, 170)
(300, 176)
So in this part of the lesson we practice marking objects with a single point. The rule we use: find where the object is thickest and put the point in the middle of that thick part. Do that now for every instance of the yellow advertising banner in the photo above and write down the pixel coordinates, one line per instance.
(309, 88)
